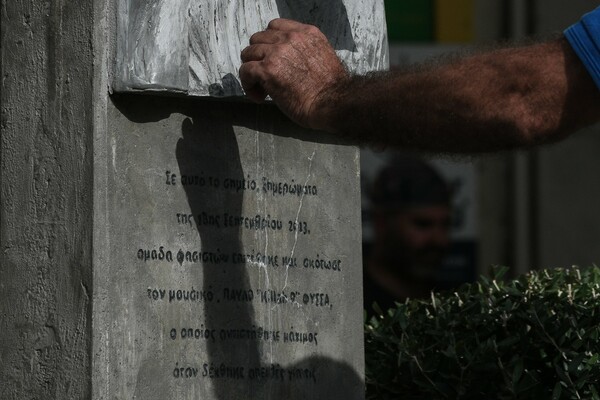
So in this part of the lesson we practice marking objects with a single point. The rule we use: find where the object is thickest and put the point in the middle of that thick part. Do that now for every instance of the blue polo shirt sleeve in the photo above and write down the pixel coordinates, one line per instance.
(584, 37)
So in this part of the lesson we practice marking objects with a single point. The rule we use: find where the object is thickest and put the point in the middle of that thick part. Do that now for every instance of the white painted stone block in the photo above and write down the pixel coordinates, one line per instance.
(193, 46)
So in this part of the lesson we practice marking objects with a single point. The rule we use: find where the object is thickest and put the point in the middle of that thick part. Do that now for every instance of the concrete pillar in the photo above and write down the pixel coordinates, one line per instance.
(97, 187)
(46, 209)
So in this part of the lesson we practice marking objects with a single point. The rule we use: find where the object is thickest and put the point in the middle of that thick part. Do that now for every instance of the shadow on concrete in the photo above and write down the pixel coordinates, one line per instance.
(145, 108)
(209, 146)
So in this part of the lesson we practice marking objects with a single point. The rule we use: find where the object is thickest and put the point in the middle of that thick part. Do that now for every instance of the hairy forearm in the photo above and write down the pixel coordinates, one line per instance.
(515, 97)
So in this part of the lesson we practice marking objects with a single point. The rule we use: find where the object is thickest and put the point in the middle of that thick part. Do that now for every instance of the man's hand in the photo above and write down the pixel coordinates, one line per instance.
(489, 101)
(295, 65)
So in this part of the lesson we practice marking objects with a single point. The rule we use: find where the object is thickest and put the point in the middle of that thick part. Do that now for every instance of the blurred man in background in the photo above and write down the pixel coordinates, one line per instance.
(411, 222)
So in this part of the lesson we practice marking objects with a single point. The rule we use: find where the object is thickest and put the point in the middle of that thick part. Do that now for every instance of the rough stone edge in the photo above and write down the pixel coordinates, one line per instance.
(104, 68)
(46, 200)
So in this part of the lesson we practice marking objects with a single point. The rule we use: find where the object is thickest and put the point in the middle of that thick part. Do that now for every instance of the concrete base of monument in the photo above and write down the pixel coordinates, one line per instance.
(233, 257)
(170, 248)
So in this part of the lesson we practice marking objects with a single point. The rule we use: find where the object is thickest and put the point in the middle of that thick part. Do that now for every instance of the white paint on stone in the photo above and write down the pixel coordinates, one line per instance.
(193, 46)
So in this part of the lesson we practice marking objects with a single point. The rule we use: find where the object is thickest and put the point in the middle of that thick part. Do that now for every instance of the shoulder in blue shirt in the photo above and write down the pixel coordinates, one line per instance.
(584, 37)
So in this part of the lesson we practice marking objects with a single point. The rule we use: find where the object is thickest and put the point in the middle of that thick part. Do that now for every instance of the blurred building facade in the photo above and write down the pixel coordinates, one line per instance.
(523, 209)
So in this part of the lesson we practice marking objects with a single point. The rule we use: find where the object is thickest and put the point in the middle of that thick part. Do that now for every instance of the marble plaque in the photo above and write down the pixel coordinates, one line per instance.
(234, 262)
(193, 46)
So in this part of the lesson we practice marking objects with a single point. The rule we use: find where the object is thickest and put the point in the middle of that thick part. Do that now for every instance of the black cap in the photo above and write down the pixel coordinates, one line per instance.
(407, 182)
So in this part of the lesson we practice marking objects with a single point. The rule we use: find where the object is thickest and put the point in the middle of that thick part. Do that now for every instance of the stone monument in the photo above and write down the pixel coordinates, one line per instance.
(173, 247)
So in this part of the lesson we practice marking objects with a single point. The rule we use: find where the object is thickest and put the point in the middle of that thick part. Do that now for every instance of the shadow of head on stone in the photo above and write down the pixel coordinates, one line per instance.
(330, 16)
(208, 156)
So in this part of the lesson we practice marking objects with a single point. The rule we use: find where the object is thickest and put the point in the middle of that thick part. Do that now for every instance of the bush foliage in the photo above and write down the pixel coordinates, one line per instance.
(531, 338)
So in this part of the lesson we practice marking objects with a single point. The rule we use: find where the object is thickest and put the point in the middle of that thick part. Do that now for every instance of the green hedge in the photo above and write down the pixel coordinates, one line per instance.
(531, 338)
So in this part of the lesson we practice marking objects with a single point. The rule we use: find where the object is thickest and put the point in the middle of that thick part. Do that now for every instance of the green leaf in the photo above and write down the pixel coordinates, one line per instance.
(557, 391)
(561, 374)
(594, 392)
(377, 309)
(574, 365)
(517, 372)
